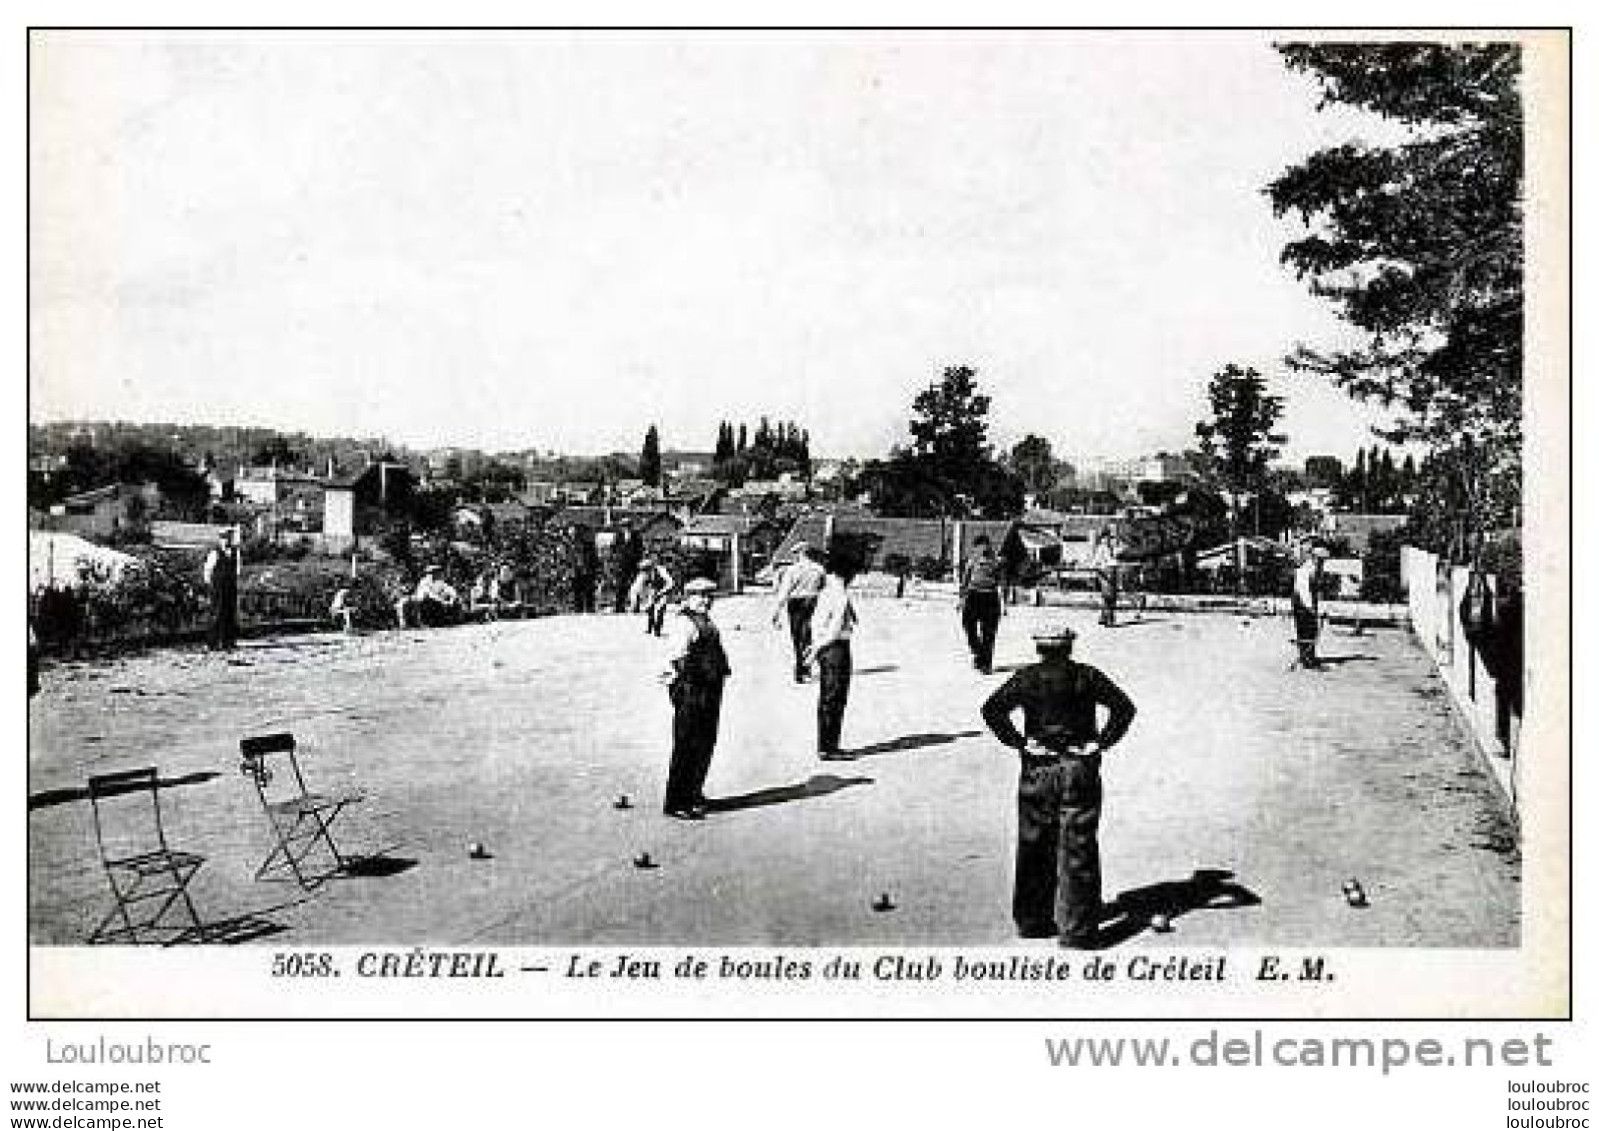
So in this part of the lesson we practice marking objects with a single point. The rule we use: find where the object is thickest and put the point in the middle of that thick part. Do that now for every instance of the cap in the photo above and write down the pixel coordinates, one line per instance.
(1057, 636)
(430, 570)
(700, 585)
(1321, 551)
(800, 547)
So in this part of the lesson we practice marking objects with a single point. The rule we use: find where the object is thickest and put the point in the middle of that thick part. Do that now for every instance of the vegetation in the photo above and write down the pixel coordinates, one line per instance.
(1418, 244)
(948, 469)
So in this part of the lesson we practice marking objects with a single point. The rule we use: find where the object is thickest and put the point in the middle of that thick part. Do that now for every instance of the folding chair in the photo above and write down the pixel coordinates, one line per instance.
(301, 821)
(139, 864)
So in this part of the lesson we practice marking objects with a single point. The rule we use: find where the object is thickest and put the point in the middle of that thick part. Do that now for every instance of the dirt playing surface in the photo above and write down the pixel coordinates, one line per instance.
(522, 735)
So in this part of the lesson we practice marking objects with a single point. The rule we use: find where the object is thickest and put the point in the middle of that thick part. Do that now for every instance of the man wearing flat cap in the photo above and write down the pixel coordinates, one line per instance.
(696, 670)
(1306, 604)
(1059, 796)
(797, 589)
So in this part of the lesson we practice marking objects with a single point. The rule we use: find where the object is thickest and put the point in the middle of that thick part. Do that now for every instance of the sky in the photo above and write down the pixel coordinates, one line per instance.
(553, 240)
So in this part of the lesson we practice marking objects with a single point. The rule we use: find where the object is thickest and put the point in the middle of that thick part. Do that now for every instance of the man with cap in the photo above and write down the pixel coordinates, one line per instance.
(696, 670)
(797, 589)
(1307, 606)
(832, 627)
(221, 573)
(435, 602)
(1059, 796)
(1107, 574)
(651, 592)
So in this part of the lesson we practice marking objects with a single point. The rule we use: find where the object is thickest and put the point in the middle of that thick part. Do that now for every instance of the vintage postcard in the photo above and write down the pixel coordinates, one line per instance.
(740, 523)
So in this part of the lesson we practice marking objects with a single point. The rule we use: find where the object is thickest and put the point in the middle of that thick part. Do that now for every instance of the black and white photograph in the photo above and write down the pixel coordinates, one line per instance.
(584, 523)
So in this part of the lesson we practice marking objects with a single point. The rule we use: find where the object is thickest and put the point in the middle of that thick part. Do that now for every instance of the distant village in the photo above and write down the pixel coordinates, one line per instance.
(293, 496)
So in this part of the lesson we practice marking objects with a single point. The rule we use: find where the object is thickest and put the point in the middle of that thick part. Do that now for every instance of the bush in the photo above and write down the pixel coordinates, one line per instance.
(929, 568)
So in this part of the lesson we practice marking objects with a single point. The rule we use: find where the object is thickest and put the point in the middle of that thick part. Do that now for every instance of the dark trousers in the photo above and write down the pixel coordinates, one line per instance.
(980, 617)
(833, 695)
(225, 618)
(655, 615)
(1057, 850)
(799, 628)
(1307, 626)
(696, 714)
(1109, 584)
(583, 586)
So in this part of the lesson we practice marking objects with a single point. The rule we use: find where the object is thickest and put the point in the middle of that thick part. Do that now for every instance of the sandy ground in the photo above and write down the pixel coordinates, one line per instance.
(521, 736)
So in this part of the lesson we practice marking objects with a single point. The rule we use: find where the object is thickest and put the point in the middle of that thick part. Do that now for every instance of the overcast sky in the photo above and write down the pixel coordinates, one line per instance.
(548, 240)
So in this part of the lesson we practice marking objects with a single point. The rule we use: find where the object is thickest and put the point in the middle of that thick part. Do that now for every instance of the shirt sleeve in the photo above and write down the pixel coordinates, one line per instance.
(1000, 706)
(1302, 589)
(1121, 709)
(679, 636)
(785, 584)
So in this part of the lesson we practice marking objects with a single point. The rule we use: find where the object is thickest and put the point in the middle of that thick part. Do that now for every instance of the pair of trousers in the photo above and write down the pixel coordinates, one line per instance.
(980, 617)
(1307, 626)
(696, 715)
(1109, 584)
(1057, 849)
(225, 619)
(836, 667)
(799, 630)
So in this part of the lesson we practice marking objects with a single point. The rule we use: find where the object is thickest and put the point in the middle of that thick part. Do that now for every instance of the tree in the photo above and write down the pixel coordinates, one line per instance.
(1033, 460)
(1323, 471)
(948, 470)
(1419, 245)
(1238, 442)
(649, 460)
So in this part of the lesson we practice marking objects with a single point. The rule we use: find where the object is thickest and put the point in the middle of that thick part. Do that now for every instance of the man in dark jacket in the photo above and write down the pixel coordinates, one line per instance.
(696, 671)
(1059, 796)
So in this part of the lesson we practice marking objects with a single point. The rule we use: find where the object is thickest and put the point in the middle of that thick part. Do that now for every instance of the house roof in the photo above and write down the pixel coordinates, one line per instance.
(93, 495)
(912, 538)
(599, 517)
(726, 524)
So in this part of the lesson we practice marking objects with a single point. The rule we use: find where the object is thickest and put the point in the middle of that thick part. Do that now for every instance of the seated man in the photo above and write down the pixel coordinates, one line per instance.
(435, 602)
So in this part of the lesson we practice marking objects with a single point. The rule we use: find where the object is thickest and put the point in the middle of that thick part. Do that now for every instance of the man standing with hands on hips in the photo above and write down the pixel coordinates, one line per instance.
(696, 670)
(1059, 796)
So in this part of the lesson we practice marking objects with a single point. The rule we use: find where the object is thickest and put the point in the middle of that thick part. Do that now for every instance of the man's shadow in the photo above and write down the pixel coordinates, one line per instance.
(818, 785)
(1352, 658)
(910, 742)
(1208, 889)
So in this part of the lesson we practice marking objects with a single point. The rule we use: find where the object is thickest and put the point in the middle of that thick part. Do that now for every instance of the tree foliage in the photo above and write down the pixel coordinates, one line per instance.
(1418, 244)
(1238, 441)
(948, 470)
(649, 460)
(1034, 460)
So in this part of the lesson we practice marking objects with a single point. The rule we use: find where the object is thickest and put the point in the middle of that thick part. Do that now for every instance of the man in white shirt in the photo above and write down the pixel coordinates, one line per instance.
(1307, 606)
(797, 589)
(436, 602)
(221, 574)
(832, 625)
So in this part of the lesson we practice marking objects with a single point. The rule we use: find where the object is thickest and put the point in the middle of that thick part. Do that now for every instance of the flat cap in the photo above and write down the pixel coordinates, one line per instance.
(1055, 636)
(700, 585)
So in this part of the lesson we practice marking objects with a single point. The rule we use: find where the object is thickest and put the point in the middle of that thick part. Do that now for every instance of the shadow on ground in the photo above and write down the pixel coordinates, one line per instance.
(1208, 889)
(819, 785)
(44, 799)
(911, 742)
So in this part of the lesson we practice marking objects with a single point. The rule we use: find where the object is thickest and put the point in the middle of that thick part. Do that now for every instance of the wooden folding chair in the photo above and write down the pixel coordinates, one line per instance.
(139, 864)
(301, 821)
